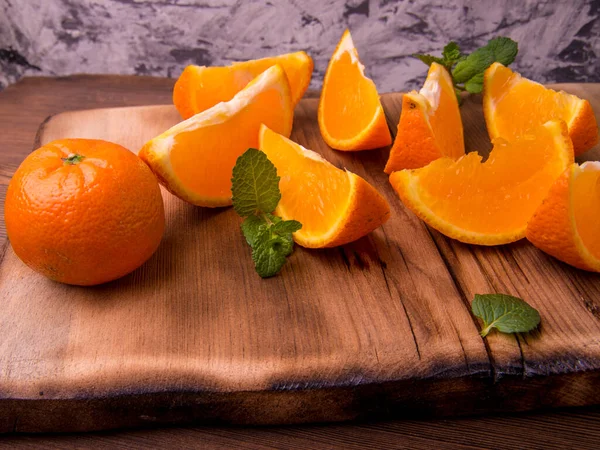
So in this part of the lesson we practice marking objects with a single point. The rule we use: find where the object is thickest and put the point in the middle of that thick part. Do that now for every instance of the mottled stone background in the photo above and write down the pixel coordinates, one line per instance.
(559, 40)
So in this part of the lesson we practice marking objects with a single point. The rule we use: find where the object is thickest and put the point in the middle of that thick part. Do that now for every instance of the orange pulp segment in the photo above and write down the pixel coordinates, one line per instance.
(567, 224)
(195, 158)
(488, 203)
(199, 87)
(350, 114)
(334, 206)
(513, 105)
(430, 125)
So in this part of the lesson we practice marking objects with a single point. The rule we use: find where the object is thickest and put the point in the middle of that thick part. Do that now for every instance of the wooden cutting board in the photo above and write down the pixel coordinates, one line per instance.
(380, 327)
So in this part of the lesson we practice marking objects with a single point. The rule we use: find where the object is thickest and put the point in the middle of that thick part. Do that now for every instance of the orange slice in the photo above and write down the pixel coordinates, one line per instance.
(195, 158)
(199, 87)
(430, 125)
(350, 113)
(488, 203)
(513, 105)
(334, 206)
(566, 225)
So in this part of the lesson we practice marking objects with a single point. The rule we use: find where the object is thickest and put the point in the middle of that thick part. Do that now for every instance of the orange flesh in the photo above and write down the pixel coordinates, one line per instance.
(530, 102)
(348, 87)
(585, 200)
(314, 192)
(217, 147)
(430, 124)
(224, 82)
(445, 118)
(497, 195)
(200, 88)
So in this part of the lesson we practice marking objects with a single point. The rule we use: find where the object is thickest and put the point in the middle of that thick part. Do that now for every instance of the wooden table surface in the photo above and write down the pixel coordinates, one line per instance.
(26, 104)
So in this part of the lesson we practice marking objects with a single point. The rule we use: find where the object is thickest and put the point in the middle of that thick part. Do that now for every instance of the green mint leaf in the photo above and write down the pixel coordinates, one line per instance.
(473, 64)
(506, 313)
(502, 50)
(270, 253)
(269, 249)
(286, 226)
(451, 53)
(272, 218)
(255, 194)
(252, 227)
(428, 59)
(284, 230)
(475, 84)
(255, 184)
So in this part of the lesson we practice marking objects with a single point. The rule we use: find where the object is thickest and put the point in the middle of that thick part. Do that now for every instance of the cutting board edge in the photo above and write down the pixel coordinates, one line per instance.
(405, 399)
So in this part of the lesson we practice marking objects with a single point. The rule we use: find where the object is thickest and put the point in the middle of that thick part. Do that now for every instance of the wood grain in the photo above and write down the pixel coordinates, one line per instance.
(575, 428)
(196, 351)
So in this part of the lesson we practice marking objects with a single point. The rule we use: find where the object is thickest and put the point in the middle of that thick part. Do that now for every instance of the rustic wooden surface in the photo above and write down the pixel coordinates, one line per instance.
(478, 270)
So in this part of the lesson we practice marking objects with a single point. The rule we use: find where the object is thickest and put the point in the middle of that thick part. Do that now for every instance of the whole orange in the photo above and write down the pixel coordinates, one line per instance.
(84, 211)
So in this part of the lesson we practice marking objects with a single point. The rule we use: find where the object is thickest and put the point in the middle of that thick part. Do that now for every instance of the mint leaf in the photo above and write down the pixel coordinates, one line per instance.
(451, 53)
(502, 50)
(273, 243)
(270, 255)
(255, 194)
(252, 227)
(286, 226)
(506, 313)
(284, 230)
(475, 84)
(255, 184)
(467, 70)
(428, 59)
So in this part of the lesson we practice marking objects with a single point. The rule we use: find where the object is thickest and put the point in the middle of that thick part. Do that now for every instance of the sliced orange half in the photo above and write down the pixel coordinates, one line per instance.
(430, 126)
(488, 203)
(513, 105)
(199, 87)
(350, 114)
(567, 224)
(195, 158)
(334, 206)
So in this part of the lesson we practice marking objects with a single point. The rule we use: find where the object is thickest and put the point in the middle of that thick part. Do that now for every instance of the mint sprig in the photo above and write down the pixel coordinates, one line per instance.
(506, 313)
(467, 70)
(450, 56)
(255, 195)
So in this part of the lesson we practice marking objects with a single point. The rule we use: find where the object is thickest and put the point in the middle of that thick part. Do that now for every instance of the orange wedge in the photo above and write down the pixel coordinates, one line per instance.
(566, 225)
(334, 206)
(199, 87)
(195, 158)
(430, 126)
(488, 203)
(350, 113)
(513, 105)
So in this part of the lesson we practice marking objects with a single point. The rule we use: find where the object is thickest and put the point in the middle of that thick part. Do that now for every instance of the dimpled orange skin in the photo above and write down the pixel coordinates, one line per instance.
(416, 134)
(554, 227)
(88, 222)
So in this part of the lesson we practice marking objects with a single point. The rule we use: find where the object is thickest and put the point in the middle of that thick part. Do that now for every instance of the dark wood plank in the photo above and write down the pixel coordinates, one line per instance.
(571, 429)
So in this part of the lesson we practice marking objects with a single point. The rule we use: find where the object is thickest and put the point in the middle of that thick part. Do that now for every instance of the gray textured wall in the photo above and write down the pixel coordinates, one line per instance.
(559, 40)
